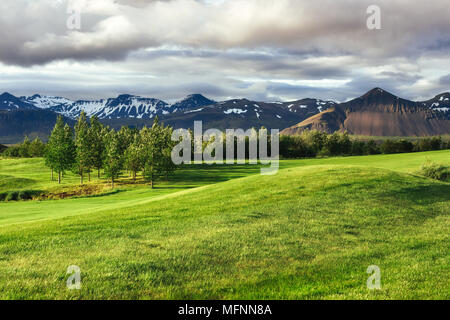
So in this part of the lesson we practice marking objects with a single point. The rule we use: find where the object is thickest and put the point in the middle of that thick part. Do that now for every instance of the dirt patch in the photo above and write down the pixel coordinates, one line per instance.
(76, 191)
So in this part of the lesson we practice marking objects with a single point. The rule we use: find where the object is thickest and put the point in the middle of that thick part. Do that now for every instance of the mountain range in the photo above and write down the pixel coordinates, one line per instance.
(378, 112)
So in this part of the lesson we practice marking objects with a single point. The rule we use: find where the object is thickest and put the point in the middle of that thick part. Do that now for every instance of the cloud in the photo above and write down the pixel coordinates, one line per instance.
(113, 29)
(261, 49)
(445, 80)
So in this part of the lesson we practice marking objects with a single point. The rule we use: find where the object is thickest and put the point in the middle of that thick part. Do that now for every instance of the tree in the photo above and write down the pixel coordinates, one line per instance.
(345, 144)
(113, 156)
(97, 150)
(332, 147)
(371, 148)
(166, 164)
(315, 139)
(36, 148)
(82, 143)
(134, 156)
(60, 150)
(126, 138)
(24, 148)
(156, 143)
(358, 148)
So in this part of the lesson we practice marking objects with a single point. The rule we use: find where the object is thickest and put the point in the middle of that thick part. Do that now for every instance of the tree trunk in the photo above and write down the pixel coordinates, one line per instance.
(98, 173)
(81, 177)
(112, 183)
(134, 176)
(52, 174)
(59, 176)
(151, 180)
(151, 172)
(89, 175)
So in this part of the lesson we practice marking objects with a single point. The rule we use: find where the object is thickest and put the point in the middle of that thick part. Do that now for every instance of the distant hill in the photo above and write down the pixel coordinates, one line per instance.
(16, 124)
(123, 106)
(8, 102)
(375, 113)
(380, 113)
(441, 102)
(135, 111)
(236, 113)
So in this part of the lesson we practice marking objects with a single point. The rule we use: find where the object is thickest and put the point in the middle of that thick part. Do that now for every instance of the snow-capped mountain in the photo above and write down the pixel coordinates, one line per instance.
(8, 102)
(308, 106)
(244, 113)
(298, 108)
(379, 113)
(45, 102)
(136, 107)
(124, 106)
(190, 103)
(37, 113)
(439, 103)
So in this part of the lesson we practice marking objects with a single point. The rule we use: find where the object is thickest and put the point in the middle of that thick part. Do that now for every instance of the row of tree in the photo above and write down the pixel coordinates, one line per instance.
(92, 146)
(314, 143)
(26, 149)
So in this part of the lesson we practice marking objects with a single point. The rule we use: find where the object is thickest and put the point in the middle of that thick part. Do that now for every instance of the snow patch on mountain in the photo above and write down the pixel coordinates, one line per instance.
(197, 110)
(235, 110)
(116, 108)
(45, 102)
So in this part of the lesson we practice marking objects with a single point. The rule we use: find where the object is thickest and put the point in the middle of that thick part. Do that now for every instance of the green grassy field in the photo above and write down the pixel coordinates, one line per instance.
(226, 232)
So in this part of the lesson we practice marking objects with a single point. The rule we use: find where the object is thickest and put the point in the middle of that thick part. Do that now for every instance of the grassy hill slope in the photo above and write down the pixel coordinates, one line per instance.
(309, 232)
(21, 174)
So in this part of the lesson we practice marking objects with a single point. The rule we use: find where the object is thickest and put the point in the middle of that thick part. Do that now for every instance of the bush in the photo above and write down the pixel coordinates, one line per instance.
(397, 146)
(372, 148)
(12, 196)
(358, 148)
(26, 149)
(11, 152)
(20, 195)
(28, 194)
(435, 170)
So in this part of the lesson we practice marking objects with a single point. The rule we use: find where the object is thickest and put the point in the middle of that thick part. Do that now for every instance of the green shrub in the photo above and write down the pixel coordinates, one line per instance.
(28, 194)
(20, 195)
(12, 196)
(435, 170)
(372, 148)
(11, 152)
(358, 148)
(26, 149)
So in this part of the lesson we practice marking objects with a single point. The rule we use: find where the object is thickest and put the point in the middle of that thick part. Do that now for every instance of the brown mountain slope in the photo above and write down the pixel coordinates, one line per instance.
(378, 113)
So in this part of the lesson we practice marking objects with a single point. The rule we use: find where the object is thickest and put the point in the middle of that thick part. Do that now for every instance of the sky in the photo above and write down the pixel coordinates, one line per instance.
(265, 50)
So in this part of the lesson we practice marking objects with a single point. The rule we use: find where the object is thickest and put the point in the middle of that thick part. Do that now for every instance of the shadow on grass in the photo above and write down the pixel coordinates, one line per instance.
(213, 173)
(421, 191)
(424, 194)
